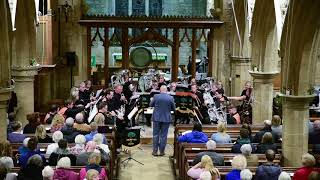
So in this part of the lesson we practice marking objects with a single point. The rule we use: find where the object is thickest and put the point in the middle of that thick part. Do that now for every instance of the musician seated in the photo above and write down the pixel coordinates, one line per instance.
(196, 95)
(173, 87)
(154, 86)
(103, 117)
(161, 81)
(196, 136)
(233, 116)
(220, 98)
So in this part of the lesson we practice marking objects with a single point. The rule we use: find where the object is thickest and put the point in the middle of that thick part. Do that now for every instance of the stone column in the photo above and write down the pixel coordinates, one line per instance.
(239, 74)
(295, 112)
(4, 97)
(24, 77)
(263, 96)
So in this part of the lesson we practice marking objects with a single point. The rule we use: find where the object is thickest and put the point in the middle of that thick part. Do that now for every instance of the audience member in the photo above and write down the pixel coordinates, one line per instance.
(196, 136)
(103, 148)
(49, 116)
(266, 143)
(82, 159)
(73, 110)
(7, 163)
(16, 135)
(314, 136)
(24, 148)
(42, 136)
(92, 174)
(69, 133)
(47, 173)
(221, 136)
(206, 164)
(238, 163)
(79, 148)
(80, 126)
(62, 151)
(247, 127)
(243, 139)
(308, 162)
(57, 123)
(217, 159)
(268, 170)
(32, 146)
(276, 126)
(34, 121)
(252, 159)
(267, 128)
(284, 176)
(33, 169)
(205, 175)
(11, 121)
(56, 137)
(246, 174)
(94, 131)
(63, 170)
(93, 163)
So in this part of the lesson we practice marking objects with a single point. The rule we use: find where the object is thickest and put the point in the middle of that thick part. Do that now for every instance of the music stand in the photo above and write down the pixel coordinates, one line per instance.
(132, 140)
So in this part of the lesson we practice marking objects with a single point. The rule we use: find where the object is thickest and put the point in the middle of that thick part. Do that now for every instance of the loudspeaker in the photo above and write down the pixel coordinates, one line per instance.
(71, 58)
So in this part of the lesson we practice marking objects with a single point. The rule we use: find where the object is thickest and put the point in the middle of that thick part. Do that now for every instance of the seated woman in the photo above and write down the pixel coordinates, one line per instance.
(32, 146)
(308, 163)
(103, 148)
(63, 171)
(252, 159)
(33, 169)
(80, 126)
(62, 151)
(206, 164)
(93, 163)
(238, 163)
(42, 136)
(196, 136)
(16, 136)
(56, 137)
(7, 163)
(57, 123)
(80, 141)
(221, 136)
(243, 139)
(266, 143)
(247, 126)
(92, 174)
(34, 121)
(47, 173)
(276, 126)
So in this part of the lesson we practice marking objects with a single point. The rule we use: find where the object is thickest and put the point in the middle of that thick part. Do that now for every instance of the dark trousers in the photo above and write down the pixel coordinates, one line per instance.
(160, 134)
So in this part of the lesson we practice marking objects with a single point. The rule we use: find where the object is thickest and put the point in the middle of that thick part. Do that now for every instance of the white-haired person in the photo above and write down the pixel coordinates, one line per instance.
(93, 132)
(56, 137)
(221, 137)
(284, 176)
(47, 173)
(24, 147)
(308, 163)
(252, 159)
(80, 141)
(103, 148)
(69, 133)
(268, 170)
(238, 163)
(93, 163)
(63, 170)
(267, 128)
(82, 159)
(217, 159)
(246, 174)
(206, 164)
(80, 126)
(92, 174)
(7, 164)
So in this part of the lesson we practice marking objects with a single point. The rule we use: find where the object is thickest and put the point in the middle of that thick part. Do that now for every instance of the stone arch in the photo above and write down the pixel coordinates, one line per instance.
(264, 37)
(300, 46)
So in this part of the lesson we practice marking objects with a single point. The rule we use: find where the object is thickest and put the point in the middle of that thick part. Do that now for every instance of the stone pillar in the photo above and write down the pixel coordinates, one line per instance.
(4, 97)
(239, 74)
(263, 96)
(24, 77)
(295, 112)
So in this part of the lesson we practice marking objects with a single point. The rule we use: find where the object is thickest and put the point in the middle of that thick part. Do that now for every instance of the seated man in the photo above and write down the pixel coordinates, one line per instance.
(268, 170)
(267, 128)
(16, 136)
(196, 136)
(62, 151)
(217, 159)
(234, 117)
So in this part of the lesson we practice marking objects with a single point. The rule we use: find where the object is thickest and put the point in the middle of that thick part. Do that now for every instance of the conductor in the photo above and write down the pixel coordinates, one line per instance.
(163, 104)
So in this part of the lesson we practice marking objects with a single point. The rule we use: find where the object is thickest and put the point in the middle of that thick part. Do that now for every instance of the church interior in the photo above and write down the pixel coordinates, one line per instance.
(160, 89)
